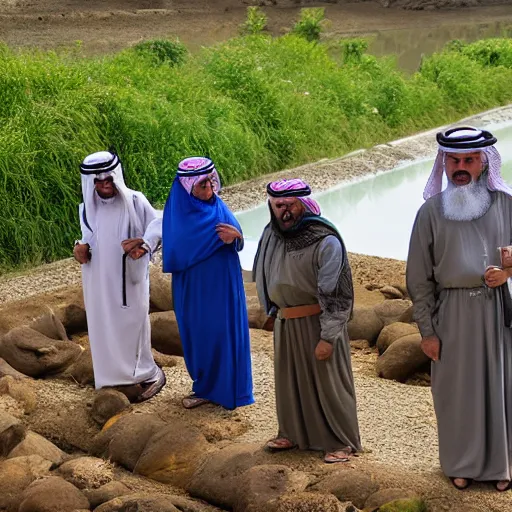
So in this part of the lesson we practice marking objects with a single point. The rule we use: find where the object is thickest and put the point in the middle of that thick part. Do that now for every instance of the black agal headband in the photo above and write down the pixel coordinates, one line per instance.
(465, 138)
(100, 167)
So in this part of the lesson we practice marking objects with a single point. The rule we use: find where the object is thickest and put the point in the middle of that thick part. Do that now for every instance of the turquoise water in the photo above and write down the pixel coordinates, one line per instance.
(374, 216)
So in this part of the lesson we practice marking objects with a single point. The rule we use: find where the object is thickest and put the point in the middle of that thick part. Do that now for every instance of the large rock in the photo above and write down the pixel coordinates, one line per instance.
(261, 484)
(391, 292)
(407, 316)
(365, 325)
(405, 505)
(49, 325)
(306, 502)
(393, 332)
(34, 444)
(391, 311)
(160, 295)
(403, 358)
(217, 480)
(165, 336)
(348, 485)
(106, 493)
(21, 390)
(11, 437)
(255, 313)
(383, 496)
(52, 494)
(138, 502)
(86, 472)
(81, 370)
(108, 403)
(34, 354)
(6, 370)
(173, 454)
(163, 360)
(16, 475)
(124, 438)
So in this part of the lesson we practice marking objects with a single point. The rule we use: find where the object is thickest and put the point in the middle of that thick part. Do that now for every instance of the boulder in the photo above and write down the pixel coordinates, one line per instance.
(20, 390)
(106, 493)
(261, 484)
(348, 485)
(306, 502)
(365, 325)
(383, 496)
(108, 403)
(405, 505)
(217, 479)
(163, 360)
(390, 311)
(403, 358)
(6, 370)
(34, 444)
(165, 336)
(390, 292)
(360, 344)
(52, 494)
(124, 438)
(255, 313)
(34, 354)
(173, 453)
(49, 325)
(407, 316)
(11, 437)
(139, 503)
(86, 472)
(7, 420)
(393, 332)
(16, 475)
(69, 308)
(81, 370)
(160, 295)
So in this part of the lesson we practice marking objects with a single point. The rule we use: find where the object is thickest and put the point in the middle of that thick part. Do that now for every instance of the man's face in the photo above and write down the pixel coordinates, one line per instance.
(463, 168)
(288, 211)
(203, 190)
(105, 188)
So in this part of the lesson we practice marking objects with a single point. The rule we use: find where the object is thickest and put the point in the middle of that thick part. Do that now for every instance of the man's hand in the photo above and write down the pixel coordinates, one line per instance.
(81, 253)
(227, 233)
(431, 347)
(495, 277)
(323, 350)
(131, 243)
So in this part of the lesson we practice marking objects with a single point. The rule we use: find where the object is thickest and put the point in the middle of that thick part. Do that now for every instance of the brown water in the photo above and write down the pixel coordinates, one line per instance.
(409, 45)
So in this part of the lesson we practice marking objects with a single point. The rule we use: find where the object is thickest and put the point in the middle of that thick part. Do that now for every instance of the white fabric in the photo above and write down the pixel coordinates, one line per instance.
(119, 331)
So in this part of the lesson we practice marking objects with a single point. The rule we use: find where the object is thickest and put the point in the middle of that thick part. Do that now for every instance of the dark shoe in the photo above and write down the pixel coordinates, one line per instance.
(469, 481)
(150, 389)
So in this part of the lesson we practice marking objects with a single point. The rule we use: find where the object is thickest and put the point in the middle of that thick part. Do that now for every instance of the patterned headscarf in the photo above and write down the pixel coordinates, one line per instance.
(294, 188)
(466, 140)
(194, 170)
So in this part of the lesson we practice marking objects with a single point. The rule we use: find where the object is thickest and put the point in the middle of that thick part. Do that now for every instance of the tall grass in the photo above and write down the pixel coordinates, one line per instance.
(254, 104)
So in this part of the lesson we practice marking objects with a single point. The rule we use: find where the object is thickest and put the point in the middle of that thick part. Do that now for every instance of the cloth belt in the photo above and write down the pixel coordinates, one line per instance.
(300, 311)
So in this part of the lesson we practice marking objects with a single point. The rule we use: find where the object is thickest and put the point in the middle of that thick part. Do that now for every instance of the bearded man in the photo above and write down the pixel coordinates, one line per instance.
(458, 292)
(115, 282)
(303, 276)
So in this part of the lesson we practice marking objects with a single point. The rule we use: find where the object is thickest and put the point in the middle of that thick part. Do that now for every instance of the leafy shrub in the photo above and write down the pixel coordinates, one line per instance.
(162, 51)
(310, 23)
(255, 23)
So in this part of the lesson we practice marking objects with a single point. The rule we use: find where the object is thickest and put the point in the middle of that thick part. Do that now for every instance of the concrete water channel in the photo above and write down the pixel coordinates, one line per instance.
(374, 215)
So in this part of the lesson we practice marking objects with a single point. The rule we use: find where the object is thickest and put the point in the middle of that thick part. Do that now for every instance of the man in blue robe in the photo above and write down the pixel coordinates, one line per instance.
(200, 241)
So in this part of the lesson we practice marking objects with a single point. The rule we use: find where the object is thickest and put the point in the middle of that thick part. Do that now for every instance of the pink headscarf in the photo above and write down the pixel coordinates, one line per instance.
(490, 154)
(294, 188)
(200, 164)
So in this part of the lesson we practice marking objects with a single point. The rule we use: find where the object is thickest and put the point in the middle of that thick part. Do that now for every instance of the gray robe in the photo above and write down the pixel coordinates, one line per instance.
(315, 400)
(472, 381)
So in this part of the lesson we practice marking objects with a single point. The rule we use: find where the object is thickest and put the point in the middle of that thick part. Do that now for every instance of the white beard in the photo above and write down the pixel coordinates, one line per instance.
(467, 202)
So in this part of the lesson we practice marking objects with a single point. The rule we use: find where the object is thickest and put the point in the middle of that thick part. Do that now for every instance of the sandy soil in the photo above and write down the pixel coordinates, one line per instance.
(108, 25)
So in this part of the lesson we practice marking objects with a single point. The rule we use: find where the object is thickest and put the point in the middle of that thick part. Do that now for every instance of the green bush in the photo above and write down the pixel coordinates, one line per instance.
(162, 51)
(255, 23)
(310, 23)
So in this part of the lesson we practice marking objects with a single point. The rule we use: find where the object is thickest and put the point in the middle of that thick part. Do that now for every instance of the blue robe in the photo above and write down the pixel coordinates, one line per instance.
(209, 297)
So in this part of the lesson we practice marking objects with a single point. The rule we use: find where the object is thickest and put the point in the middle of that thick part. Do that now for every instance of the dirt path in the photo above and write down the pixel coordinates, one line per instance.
(108, 25)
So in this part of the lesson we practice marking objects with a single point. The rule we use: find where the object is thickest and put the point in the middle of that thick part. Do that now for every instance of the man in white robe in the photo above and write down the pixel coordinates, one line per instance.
(115, 282)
